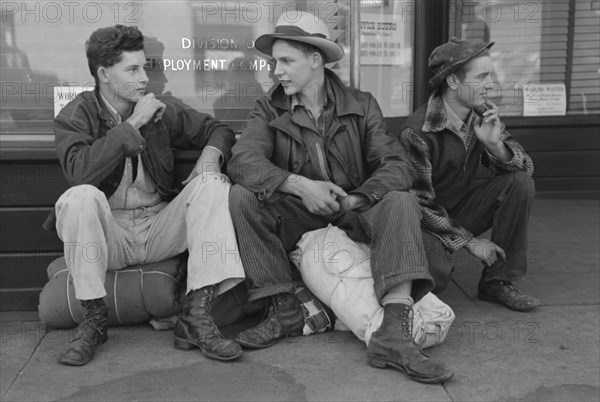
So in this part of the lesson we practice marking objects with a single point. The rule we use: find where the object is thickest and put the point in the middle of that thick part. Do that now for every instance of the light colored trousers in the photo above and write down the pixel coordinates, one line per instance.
(97, 239)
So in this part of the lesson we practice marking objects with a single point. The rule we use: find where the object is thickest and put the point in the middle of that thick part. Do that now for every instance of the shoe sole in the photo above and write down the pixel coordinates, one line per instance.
(493, 300)
(253, 345)
(187, 345)
(67, 362)
(382, 364)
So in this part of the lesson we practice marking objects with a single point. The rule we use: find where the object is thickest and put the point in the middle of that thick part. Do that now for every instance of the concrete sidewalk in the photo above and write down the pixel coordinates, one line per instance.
(552, 353)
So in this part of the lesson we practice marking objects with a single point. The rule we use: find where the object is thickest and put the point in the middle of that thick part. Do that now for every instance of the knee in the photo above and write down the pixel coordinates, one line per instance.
(208, 184)
(522, 183)
(82, 197)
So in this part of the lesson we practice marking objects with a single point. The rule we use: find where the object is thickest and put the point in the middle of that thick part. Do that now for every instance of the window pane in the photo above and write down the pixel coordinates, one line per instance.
(386, 68)
(198, 53)
(537, 48)
(585, 79)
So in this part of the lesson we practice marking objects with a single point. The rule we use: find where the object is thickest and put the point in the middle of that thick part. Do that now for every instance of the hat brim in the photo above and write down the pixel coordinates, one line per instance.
(437, 79)
(333, 52)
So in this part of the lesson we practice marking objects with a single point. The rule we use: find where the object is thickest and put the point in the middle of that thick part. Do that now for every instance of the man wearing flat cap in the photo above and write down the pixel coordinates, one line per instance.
(458, 130)
(316, 152)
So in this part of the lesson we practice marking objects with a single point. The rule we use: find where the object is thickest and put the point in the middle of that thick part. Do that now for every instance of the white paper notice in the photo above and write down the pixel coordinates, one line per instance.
(382, 40)
(544, 100)
(64, 95)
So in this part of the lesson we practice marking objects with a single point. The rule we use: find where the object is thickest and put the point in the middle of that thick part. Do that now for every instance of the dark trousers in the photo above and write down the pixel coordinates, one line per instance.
(503, 204)
(267, 232)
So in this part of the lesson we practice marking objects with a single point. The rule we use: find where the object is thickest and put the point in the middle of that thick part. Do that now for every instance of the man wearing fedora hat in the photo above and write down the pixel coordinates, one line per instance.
(458, 130)
(316, 152)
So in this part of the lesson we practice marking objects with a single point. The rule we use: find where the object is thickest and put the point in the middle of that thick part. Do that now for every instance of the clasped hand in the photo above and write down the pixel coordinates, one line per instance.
(146, 109)
(326, 198)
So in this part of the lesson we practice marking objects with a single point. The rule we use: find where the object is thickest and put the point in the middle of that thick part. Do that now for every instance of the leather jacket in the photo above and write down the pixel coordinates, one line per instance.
(271, 147)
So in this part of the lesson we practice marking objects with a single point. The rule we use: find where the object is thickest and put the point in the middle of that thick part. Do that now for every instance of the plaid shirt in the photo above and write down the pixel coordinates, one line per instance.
(435, 216)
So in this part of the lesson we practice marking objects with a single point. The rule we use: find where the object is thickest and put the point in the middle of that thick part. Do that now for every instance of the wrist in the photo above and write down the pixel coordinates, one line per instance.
(360, 201)
(134, 122)
(495, 147)
(469, 244)
(294, 185)
(211, 155)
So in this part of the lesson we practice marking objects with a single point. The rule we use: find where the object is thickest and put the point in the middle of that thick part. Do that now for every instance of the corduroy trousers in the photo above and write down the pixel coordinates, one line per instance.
(268, 231)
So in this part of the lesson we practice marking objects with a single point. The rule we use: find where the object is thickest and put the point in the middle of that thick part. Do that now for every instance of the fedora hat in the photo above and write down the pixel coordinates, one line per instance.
(301, 26)
(447, 59)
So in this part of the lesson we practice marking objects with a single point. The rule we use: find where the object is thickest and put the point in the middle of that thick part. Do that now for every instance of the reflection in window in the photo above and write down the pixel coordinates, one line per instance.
(199, 53)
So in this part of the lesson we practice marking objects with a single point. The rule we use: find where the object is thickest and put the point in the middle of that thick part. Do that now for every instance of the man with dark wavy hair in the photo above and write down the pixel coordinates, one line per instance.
(115, 148)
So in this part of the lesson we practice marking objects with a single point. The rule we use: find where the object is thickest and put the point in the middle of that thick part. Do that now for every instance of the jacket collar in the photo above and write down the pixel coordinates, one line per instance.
(435, 117)
(345, 102)
(94, 97)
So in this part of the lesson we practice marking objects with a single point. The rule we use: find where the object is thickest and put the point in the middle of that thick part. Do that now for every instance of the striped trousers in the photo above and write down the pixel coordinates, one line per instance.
(267, 232)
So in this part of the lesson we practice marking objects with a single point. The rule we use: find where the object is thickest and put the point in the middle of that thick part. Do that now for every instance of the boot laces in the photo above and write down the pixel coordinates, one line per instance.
(510, 287)
(407, 323)
(92, 314)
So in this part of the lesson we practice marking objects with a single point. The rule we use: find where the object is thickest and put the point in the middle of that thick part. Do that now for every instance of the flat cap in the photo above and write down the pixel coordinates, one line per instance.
(446, 59)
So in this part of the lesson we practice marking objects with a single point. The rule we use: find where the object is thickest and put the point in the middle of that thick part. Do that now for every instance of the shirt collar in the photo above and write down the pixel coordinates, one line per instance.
(296, 101)
(451, 117)
(113, 112)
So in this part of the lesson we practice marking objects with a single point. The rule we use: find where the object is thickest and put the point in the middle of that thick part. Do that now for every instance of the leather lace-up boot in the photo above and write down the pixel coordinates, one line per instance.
(393, 345)
(195, 328)
(91, 332)
(504, 292)
(284, 318)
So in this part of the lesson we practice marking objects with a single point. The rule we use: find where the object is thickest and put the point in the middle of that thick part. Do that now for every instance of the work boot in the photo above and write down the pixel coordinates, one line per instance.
(195, 328)
(503, 292)
(393, 345)
(91, 332)
(284, 318)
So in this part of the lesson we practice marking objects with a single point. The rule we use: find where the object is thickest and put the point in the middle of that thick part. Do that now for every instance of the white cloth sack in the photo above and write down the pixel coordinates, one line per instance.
(337, 270)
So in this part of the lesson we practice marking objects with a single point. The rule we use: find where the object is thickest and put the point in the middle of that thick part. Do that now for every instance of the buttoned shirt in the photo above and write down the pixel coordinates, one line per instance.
(457, 125)
(138, 192)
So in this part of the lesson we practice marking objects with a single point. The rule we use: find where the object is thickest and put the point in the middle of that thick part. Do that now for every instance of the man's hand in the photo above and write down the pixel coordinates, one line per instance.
(319, 197)
(146, 109)
(489, 127)
(353, 201)
(208, 162)
(487, 251)
(488, 130)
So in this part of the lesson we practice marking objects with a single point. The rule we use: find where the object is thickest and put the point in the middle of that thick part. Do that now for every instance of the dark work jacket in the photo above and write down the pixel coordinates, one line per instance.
(92, 148)
(453, 168)
(271, 146)
(445, 171)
